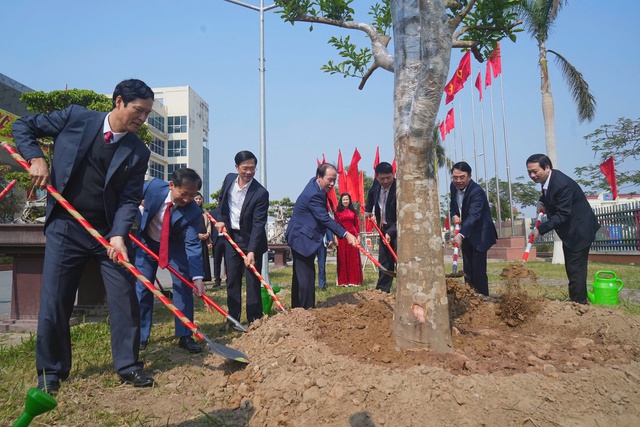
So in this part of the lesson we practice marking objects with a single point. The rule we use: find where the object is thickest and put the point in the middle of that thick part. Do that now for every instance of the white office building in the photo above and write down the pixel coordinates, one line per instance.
(179, 124)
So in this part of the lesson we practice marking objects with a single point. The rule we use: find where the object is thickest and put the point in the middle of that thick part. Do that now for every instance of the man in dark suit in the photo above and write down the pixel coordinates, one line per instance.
(570, 215)
(218, 242)
(243, 211)
(470, 206)
(99, 167)
(306, 228)
(176, 199)
(381, 201)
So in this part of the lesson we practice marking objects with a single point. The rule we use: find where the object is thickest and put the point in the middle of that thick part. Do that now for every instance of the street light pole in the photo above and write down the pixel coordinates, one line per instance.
(263, 125)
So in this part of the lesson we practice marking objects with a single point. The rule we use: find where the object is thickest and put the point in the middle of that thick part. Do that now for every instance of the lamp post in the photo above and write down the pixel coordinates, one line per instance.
(263, 127)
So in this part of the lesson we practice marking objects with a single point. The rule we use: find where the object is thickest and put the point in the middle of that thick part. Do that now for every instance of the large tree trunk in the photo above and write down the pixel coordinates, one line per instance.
(548, 114)
(422, 45)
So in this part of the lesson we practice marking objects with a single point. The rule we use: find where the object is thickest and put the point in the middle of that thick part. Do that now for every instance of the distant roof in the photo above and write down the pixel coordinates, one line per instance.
(10, 92)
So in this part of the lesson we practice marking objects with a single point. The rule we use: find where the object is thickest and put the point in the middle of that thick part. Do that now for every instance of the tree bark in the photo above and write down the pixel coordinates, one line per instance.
(422, 47)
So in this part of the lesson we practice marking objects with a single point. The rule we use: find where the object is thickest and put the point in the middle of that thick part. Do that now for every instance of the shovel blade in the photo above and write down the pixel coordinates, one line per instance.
(224, 351)
(387, 272)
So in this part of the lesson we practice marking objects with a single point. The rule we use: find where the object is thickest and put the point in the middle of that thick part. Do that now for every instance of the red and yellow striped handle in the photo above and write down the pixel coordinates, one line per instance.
(7, 189)
(384, 239)
(258, 275)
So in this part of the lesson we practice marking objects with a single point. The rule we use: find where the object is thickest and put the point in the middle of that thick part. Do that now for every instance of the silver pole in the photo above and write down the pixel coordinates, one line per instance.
(506, 150)
(475, 146)
(495, 160)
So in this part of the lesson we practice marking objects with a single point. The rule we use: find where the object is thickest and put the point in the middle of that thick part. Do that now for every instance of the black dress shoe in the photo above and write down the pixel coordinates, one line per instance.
(137, 378)
(189, 344)
(143, 345)
(50, 386)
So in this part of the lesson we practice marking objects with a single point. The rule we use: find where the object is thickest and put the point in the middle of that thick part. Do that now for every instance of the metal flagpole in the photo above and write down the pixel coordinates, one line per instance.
(506, 150)
(495, 160)
(461, 129)
(475, 146)
(263, 126)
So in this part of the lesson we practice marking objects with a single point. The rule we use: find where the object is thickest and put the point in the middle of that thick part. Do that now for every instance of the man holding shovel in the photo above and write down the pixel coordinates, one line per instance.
(470, 206)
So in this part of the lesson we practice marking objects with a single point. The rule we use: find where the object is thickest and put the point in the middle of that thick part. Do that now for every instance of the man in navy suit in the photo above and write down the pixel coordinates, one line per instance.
(99, 167)
(185, 249)
(242, 212)
(570, 215)
(306, 228)
(381, 201)
(470, 206)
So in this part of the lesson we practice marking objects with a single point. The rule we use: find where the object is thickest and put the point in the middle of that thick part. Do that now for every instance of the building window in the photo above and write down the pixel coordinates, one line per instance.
(156, 170)
(157, 146)
(175, 167)
(178, 124)
(157, 121)
(177, 148)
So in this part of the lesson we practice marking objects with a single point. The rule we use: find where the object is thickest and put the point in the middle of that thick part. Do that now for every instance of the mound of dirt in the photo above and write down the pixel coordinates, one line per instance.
(562, 364)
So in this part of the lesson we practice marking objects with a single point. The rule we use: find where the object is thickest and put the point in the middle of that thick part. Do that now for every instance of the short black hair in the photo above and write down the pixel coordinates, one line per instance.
(183, 176)
(245, 155)
(543, 159)
(384, 167)
(322, 169)
(462, 166)
(132, 89)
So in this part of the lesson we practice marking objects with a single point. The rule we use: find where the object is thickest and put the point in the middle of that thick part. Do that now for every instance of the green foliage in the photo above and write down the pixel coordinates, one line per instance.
(355, 63)
(497, 14)
(620, 140)
(381, 13)
(287, 208)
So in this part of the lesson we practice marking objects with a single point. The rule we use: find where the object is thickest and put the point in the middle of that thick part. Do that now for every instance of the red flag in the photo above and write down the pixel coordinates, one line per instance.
(343, 185)
(361, 194)
(318, 161)
(393, 167)
(324, 159)
(609, 171)
(479, 84)
(443, 130)
(460, 76)
(487, 75)
(376, 160)
(496, 62)
(450, 121)
(447, 222)
(332, 200)
(353, 175)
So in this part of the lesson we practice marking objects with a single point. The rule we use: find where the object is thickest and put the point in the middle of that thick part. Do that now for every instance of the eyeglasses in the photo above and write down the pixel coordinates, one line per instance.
(459, 178)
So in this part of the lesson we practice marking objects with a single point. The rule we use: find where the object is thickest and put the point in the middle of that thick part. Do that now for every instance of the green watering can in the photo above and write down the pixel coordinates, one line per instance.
(606, 287)
(38, 402)
(267, 301)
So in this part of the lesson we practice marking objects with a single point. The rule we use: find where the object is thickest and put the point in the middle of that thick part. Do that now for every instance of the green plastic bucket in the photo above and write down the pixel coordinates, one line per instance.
(267, 301)
(606, 287)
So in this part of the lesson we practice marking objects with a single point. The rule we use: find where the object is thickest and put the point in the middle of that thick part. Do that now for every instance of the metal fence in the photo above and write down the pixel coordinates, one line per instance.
(619, 229)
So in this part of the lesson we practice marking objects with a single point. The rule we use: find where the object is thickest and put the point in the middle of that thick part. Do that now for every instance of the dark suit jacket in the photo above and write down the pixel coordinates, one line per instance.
(310, 220)
(568, 212)
(74, 129)
(253, 215)
(185, 247)
(476, 226)
(390, 210)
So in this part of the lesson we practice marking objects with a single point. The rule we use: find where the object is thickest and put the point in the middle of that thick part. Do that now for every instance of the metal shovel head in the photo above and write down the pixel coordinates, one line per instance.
(387, 272)
(224, 351)
(450, 275)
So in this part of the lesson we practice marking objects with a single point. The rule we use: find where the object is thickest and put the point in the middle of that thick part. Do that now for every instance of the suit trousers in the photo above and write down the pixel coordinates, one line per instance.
(322, 263)
(218, 255)
(67, 250)
(236, 270)
(303, 292)
(575, 264)
(182, 294)
(388, 261)
(475, 268)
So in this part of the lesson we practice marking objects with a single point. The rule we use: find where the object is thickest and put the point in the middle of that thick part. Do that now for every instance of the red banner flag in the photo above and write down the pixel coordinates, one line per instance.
(450, 121)
(487, 75)
(479, 84)
(609, 170)
(376, 160)
(393, 167)
(460, 76)
(332, 200)
(443, 130)
(353, 175)
(343, 185)
(447, 222)
(496, 62)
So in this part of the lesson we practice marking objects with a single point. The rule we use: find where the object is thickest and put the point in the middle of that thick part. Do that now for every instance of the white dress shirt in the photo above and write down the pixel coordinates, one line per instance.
(236, 200)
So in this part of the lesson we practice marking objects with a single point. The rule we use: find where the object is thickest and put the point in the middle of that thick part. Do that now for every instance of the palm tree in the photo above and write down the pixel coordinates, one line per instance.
(538, 17)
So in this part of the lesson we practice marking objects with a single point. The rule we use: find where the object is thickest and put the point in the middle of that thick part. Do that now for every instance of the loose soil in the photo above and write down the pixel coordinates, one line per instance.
(517, 362)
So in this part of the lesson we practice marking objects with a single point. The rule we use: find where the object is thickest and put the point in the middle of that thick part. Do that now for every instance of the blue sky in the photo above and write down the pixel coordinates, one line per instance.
(213, 46)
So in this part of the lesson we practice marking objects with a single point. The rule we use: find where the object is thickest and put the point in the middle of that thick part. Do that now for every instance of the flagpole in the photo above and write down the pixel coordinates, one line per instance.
(495, 160)
(461, 129)
(506, 150)
(475, 146)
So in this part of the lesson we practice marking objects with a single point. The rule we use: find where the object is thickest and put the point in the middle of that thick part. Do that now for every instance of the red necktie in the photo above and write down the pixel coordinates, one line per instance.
(108, 137)
(163, 255)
